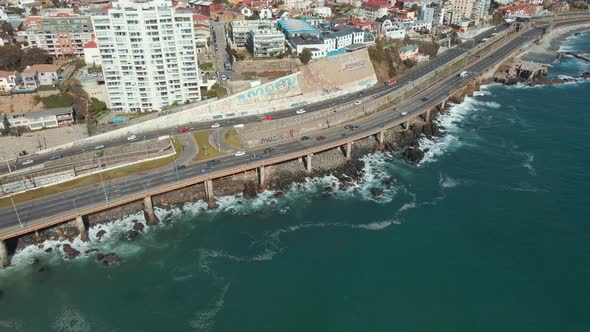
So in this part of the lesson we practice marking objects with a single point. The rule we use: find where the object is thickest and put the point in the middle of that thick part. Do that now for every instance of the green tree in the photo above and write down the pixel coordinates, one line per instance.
(430, 48)
(7, 27)
(305, 56)
(497, 18)
(34, 11)
(10, 57)
(35, 55)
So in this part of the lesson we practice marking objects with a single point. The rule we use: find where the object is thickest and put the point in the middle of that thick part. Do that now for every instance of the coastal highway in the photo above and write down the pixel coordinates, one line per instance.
(379, 89)
(33, 212)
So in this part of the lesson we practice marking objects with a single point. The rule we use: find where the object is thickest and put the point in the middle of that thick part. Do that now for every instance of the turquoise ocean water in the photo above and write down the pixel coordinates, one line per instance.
(490, 233)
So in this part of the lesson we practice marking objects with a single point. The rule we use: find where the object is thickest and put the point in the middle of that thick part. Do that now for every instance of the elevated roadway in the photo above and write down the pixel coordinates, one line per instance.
(66, 206)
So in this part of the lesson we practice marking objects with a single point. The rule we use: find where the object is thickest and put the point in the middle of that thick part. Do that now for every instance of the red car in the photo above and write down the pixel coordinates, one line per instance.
(320, 138)
(183, 130)
(267, 118)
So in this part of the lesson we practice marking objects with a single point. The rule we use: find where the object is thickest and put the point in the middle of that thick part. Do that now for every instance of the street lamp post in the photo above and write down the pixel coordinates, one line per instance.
(104, 190)
(16, 211)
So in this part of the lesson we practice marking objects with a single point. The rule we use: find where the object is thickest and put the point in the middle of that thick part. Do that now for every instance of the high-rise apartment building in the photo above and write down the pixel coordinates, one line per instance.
(61, 34)
(482, 7)
(461, 9)
(148, 55)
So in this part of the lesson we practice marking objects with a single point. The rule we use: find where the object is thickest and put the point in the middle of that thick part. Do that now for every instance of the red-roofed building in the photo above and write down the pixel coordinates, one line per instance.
(361, 24)
(515, 11)
(7, 81)
(373, 10)
(91, 54)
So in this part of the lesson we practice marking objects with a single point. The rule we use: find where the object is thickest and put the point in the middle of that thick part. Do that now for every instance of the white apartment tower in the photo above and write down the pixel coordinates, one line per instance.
(148, 54)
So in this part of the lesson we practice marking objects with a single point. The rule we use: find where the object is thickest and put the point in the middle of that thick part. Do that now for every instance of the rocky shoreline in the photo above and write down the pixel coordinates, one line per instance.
(402, 143)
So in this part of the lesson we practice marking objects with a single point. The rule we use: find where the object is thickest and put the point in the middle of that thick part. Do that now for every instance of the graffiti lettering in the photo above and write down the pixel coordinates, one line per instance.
(355, 65)
(270, 88)
(274, 138)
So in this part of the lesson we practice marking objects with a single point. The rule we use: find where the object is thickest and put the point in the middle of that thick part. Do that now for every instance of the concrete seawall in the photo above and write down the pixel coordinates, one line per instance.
(319, 80)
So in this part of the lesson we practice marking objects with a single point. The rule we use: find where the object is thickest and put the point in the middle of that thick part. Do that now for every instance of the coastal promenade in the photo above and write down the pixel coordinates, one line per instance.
(74, 205)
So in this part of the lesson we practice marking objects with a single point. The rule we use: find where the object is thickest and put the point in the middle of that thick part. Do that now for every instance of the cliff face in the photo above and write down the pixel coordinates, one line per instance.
(386, 60)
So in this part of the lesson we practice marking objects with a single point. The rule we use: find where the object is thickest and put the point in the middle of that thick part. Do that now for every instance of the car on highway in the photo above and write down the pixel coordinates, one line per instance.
(351, 127)
(320, 138)
(28, 162)
(255, 157)
(464, 74)
(56, 157)
(181, 167)
(424, 99)
(206, 170)
(183, 130)
(99, 147)
(305, 138)
(358, 102)
(404, 113)
(214, 162)
(132, 138)
(267, 118)
(215, 125)
(239, 153)
(269, 150)
(301, 111)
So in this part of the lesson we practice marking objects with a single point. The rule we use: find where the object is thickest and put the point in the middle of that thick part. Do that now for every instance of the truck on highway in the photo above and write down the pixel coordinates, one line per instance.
(390, 81)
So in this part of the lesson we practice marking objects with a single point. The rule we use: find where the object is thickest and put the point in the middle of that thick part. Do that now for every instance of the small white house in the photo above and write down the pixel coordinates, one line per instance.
(322, 12)
(91, 54)
(265, 13)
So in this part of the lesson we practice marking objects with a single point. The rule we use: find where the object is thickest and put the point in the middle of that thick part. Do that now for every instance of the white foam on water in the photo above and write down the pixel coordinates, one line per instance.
(446, 181)
(71, 320)
(11, 326)
(205, 320)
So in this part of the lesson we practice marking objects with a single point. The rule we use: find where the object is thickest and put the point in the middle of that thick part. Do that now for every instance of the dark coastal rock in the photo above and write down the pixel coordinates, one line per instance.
(108, 259)
(138, 227)
(71, 252)
(130, 235)
(249, 191)
(376, 192)
(413, 154)
(279, 194)
(48, 250)
(101, 233)
(328, 189)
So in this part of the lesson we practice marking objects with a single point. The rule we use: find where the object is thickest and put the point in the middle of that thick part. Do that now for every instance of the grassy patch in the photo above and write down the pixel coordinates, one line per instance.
(232, 139)
(206, 150)
(56, 101)
(95, 69)
(207, 66)
(93, 179)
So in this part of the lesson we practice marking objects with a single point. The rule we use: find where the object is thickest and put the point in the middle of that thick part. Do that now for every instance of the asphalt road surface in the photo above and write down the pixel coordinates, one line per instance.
(379, 89)
(30, 212)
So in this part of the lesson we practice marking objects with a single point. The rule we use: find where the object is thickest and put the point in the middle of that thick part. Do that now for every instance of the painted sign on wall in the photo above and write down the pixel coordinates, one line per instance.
(269, 88)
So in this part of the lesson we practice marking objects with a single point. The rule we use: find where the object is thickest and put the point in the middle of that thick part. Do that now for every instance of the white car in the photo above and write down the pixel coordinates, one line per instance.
(131, 138)
(240, 153)
(358, 102)
(223, 77)
(215, 125)
(28, 162)
(301, 111)
(98, 147)
(404, 113)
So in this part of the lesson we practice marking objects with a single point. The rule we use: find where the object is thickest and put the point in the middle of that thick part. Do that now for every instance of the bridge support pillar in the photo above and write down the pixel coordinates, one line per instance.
(148, 211)
(308, 162)
(261, 177)
(427, 116)
(442, 105)
(348, 150)
(209, 193)
(82, 228)
(381, 137)
(406, 125)
(4, 254)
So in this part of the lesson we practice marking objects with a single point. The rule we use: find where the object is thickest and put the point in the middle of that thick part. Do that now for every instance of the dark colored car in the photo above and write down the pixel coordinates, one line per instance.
(255, 157)
(305, 138)
(181, 167)
(424, 99)
(320, 138)
(269, 150)
(56, 157)
(348, 127)
(214, 162)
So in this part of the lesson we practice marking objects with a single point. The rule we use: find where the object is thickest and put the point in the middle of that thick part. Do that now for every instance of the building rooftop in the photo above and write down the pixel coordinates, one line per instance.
(53, 111)
(376, 4)
(408, 48)
(40, 68)
(91, 44)
(6, 73)
(297, 26)
(305, 39)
